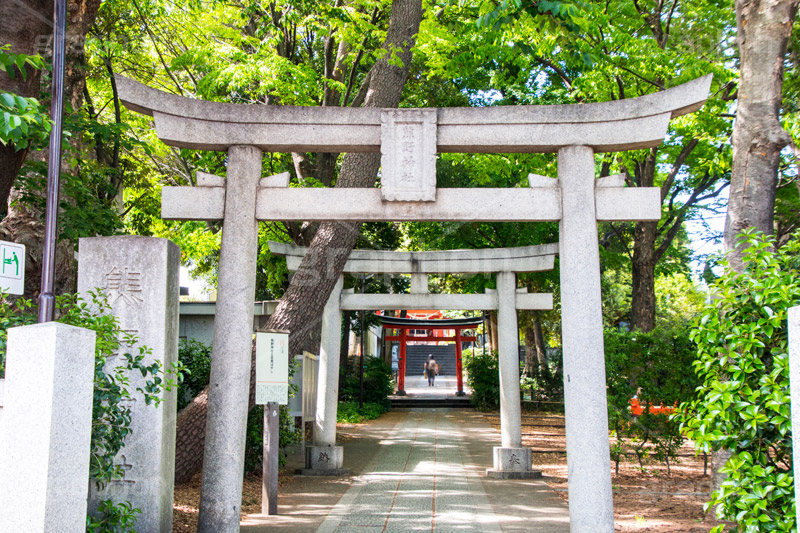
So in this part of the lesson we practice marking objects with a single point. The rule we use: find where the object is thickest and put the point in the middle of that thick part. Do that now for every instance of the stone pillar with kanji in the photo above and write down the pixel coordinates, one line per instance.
(140, 278)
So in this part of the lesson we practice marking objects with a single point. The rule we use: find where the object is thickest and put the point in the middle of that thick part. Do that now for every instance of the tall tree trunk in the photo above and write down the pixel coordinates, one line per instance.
(531, 362)
(300, 309)
(535, 355)
(493, 331)
(538, 341)
(28, 28)
(643, 290)
(764, 29)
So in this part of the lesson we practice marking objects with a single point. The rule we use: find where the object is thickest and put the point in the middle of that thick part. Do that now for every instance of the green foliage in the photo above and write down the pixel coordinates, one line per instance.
(655, 368)
(196, 360)
(13, 64)
(377, 383)
(87, 198)
(113, 518)
(22, 120)
(743, 403)
(544, 384)
(483, 378)
(350, 413)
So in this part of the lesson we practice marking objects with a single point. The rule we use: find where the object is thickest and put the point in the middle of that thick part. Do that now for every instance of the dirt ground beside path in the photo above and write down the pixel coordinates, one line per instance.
(649, 501)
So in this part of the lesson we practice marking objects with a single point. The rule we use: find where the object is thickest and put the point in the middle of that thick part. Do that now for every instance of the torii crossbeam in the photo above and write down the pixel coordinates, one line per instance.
(409, 140)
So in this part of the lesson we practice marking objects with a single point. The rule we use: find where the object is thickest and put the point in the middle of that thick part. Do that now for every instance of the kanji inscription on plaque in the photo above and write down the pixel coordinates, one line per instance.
(408, 155)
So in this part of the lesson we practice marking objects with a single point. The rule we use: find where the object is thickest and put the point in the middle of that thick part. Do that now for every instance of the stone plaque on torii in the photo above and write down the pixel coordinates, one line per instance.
(409, 140)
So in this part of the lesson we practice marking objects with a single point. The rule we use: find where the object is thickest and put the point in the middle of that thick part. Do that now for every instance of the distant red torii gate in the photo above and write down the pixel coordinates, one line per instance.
(405, 324)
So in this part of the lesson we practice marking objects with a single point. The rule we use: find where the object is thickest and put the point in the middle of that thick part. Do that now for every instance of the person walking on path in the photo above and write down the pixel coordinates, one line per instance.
(431, 369)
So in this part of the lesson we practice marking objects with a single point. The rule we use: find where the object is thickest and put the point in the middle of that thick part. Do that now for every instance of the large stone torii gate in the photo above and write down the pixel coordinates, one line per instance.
(409, 140)
(510, 458)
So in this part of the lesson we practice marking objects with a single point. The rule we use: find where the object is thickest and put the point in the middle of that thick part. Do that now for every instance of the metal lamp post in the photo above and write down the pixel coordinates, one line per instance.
(47, 299)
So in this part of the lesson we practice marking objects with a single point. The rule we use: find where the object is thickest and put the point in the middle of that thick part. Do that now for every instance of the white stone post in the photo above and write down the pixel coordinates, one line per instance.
(794, 389)
(44, 443)
(591, 507)
(324, 457)
(229, 388)
(140, 276)
(510, 459)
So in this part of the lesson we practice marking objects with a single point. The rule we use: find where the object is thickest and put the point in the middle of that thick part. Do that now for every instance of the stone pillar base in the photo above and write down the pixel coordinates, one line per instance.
(512, 463)
(400, 393)
(324, 461)
(461, 393)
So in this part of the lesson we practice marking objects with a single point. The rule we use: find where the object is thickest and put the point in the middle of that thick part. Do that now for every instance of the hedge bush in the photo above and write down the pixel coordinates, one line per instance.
(377, 383)
(743, 403)
(483, 377)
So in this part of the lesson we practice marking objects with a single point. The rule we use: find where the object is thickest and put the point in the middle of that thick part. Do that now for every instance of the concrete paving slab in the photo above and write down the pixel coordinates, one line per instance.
(417, 470)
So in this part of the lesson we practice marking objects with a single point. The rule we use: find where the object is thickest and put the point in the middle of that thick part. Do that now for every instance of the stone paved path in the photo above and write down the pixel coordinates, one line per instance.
(417, 482)
(415, 470)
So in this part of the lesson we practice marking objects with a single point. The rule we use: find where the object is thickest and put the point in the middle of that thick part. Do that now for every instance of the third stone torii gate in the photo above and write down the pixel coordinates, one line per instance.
(409, 140)
(510, 458)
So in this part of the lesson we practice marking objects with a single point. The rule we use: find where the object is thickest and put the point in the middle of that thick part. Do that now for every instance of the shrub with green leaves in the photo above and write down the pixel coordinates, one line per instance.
(254, 445)
(113, 518)
(544, 384)
(288, 434)
(656, 367)
(743, 402)
(377, 383)
(483, 377)
(351, 413)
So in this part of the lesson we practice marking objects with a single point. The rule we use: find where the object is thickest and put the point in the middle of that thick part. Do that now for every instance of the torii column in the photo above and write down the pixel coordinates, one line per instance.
(591, 506)
(229, 387)
(324, 457)
(232, 200)
(511, 460)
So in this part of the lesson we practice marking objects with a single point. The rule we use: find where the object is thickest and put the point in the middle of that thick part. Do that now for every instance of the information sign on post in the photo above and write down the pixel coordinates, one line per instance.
(272, 368)
(12, 267)
(272, 390)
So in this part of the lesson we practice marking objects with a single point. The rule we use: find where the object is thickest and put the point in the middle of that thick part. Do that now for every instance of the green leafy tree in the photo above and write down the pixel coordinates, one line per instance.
(590, 51)
(22, 120)
(743, 402)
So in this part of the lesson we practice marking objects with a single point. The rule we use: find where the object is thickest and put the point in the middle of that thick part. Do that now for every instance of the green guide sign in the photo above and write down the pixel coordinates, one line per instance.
(12, 267)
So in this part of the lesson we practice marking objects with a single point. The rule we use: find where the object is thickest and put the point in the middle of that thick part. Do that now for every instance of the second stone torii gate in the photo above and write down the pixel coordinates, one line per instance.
(409, 140)
(510, 459)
